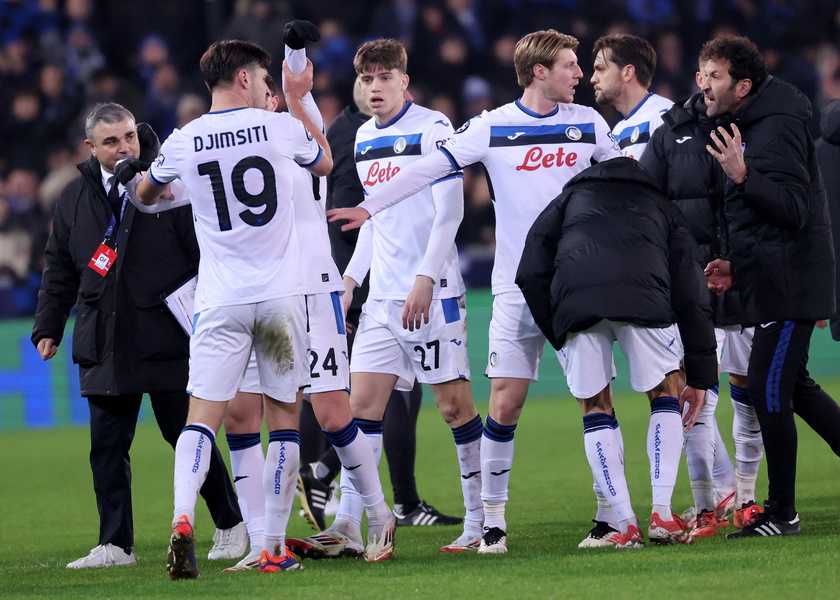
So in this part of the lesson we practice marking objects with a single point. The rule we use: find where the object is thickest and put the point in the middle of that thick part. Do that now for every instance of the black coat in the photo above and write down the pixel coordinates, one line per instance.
(689, 176)
(828, 154)
(778, 220)
(125, 340)
(344, 189)
(612, 247)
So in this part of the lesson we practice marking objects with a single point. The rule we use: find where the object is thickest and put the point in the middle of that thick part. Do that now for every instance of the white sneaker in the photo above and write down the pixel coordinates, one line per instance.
(380, 542)
(464, 543)
(106, 555)
(249, 563)
(229, 543)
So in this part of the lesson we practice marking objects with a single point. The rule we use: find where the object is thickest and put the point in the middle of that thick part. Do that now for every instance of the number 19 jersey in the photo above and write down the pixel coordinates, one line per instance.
(237, 166)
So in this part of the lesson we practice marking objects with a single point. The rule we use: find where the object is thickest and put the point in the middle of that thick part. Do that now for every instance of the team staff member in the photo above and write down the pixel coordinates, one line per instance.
(125, 341)
(781, 256)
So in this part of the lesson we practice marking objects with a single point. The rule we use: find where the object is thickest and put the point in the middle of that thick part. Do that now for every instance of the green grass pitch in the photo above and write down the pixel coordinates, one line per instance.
(48, 518)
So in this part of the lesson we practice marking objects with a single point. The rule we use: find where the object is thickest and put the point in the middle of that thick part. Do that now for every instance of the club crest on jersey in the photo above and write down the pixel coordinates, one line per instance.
(399, 145)
(634, 137)
(573, 133)
(494, 359)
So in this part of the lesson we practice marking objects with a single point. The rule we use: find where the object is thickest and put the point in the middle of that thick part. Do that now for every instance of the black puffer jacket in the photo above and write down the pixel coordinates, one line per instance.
(689, 176)
(828, 154)
(778, 220)
(125, 340)
(612, 247)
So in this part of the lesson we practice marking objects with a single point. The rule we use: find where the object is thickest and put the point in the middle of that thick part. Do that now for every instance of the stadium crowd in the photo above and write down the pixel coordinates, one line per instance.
(58, 58)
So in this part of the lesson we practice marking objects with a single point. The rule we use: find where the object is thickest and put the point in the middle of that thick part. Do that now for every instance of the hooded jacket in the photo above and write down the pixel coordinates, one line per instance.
(778, 220)
(612, 247)
(828, 155)
(125, 339)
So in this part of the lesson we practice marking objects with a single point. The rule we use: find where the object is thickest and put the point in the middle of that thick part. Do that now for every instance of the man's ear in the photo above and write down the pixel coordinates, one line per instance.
(743, 87)
(629, 72)
(539, 71)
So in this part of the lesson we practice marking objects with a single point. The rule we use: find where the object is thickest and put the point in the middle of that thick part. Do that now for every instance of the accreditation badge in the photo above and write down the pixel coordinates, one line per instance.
(103, 259)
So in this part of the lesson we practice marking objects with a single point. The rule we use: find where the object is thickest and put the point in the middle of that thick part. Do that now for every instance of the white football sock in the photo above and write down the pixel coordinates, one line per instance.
(192, 461)
(247, 465)
(496, 462)
(605, 456)
(700, 454)
(282, 461)
(664, 445)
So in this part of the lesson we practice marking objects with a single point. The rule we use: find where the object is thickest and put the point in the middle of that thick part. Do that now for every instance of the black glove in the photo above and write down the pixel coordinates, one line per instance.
(128, 168)
(297, 33)
(149, 142)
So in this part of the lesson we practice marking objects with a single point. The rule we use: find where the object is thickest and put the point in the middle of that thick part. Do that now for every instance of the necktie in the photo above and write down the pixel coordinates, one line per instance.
(115, 199)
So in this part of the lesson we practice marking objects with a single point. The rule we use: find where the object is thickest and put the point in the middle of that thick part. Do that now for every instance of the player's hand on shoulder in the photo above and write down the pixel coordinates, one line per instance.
(297, 33)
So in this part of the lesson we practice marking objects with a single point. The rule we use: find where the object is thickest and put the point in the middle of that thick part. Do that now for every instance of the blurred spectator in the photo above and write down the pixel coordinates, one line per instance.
(61, 100)
(395, 19)
(24, 133)
(672, 79)
(153, 54)
(106, 86)
(61, 160)
(83, 54)
(190, 107)
(261, 22)
(334, 54)
(161, 101)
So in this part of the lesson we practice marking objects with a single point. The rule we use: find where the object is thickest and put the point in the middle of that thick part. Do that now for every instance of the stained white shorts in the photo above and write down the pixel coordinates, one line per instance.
(516, 343)
(587, 356)
(222, 341)
(733, 348)
(435, 353)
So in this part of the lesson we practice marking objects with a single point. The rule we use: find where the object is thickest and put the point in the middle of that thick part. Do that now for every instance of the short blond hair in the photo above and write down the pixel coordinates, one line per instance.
(540, 47)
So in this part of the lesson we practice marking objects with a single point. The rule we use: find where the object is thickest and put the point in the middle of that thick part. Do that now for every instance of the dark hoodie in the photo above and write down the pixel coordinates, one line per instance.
(612, 247)
(778, 220)
(828, 155)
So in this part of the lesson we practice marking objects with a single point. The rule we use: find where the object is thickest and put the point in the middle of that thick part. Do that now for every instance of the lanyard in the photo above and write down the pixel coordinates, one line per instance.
(113, 223)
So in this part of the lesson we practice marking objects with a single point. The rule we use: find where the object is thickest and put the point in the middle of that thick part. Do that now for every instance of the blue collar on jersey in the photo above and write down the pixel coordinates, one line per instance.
(218, 112)
(639, 105)
(396, 117)
(531, 113)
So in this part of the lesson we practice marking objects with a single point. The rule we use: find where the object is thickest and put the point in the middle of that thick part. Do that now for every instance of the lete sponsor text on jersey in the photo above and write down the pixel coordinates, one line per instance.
(380, 174)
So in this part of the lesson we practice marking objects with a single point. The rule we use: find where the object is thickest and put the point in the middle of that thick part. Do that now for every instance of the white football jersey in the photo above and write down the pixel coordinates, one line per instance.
(401, 234)
(528, 158)
(633, 133)
(238, 167)
(320, 275)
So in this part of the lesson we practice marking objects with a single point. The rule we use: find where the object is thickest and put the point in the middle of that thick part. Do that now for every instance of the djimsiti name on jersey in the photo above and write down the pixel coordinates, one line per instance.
(227, 139)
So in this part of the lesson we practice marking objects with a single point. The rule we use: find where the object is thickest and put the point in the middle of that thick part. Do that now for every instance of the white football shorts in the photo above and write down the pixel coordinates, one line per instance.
(587, 356)
(329, 364)
(435, 353)
(221, 344)
(516, 343)
(733, 348)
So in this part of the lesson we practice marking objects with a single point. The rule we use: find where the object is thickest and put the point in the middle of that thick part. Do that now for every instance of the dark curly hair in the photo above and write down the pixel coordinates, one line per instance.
(745, 60)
